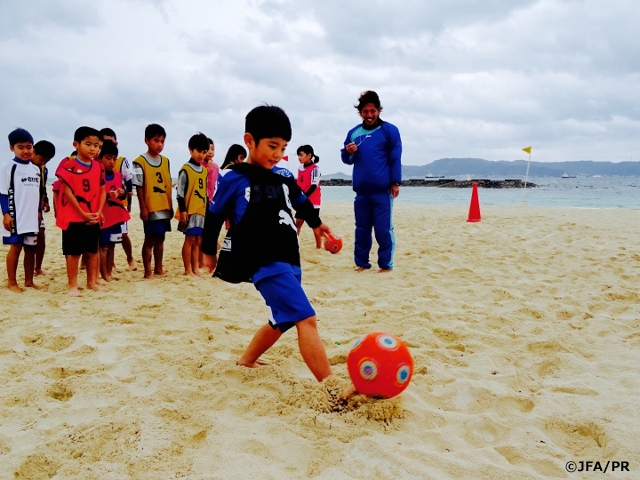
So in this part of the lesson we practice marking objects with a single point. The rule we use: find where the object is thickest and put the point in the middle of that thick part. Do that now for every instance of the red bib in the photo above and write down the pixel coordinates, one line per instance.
(114, 210)
(85, 183)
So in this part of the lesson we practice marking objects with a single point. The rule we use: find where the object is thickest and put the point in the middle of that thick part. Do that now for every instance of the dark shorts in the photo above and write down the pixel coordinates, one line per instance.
(157, 227)
(112, 234)
(286, 299)
(26, 239)
(80, 238)
(300, 218)
(194, 231)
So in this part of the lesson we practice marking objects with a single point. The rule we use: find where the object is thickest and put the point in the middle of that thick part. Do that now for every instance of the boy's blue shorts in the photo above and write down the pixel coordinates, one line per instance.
(286, 299)
(194, 231)
(26, 239)
(157, 227)
(112, 234)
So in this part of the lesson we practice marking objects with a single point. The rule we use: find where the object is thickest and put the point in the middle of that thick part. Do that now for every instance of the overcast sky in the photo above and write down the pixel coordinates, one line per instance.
(460, 78)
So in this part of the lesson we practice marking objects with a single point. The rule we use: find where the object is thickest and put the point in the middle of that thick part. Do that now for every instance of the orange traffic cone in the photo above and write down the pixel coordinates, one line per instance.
(474, 207)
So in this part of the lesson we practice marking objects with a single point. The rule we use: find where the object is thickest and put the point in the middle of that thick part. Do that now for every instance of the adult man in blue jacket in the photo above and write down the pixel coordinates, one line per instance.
(374, 149)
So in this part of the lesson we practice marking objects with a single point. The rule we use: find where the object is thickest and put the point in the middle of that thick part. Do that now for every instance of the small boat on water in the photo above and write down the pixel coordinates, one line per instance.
(429, 175)
(566, 175)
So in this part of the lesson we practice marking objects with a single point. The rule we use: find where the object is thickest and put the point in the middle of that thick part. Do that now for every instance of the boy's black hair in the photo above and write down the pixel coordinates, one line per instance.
(199, 142)
(368, 97)
(20, 135)
(45, 149)
(153, 130)
(233, 153)
(107, 132)
(84, 132)
(108, 148)
(267, 121)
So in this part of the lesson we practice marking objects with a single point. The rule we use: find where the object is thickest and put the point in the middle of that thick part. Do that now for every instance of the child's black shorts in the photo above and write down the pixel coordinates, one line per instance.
(80, 238)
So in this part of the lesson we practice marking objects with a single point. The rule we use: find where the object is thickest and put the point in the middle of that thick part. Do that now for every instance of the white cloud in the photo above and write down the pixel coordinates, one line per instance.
(459, 78)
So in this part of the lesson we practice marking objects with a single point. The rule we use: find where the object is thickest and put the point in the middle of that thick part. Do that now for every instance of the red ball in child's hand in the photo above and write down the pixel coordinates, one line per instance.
(333, 243)
(380, 365)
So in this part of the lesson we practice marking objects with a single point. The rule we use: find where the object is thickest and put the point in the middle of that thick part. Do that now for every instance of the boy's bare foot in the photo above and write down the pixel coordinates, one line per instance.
(190, 274)
(348, 393)
(149, 276)
(33, 285)
(160, 272)
(256, 364)
(385, 270)
(98, 287)
(42, 271)
(74, 292)
(15, 288)
(101, 281)
(133, 266)
(360, 269)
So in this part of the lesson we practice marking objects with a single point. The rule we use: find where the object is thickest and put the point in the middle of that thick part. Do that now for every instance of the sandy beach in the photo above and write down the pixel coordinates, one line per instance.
(525, 331)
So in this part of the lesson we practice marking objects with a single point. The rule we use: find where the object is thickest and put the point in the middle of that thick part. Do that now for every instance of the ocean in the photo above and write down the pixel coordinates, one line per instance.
(580, 192)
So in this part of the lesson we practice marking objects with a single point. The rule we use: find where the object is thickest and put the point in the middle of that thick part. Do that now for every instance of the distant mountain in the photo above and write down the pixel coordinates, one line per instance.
(478, 167)
(336, 176)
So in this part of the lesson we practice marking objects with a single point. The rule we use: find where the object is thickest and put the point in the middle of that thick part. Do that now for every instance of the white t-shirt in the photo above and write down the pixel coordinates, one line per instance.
(25, 197)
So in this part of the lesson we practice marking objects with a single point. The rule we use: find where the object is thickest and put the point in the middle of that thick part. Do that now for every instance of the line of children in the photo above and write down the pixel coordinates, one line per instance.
(115, 213)
(152, 179)
(192, 202)
(261, 245)
(20, 184)
(309, 183)
(122, 166)
(80, 201)
(43, 152)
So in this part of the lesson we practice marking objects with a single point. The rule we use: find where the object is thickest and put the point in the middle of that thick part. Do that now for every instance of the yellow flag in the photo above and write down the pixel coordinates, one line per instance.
(527, 149)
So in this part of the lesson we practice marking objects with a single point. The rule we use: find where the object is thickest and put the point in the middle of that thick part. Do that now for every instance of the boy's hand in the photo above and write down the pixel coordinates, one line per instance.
(209, 262)
(46, 208)
(91, 218)
(113, 193)
(184, 218)
(144, 214)
(323, 230)
(7, 222)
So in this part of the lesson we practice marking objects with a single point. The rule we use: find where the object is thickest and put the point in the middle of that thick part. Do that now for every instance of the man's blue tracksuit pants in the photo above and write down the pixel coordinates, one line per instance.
(374, 211)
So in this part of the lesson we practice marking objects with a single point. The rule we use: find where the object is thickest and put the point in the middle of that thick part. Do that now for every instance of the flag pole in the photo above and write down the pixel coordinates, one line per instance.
(526, 177)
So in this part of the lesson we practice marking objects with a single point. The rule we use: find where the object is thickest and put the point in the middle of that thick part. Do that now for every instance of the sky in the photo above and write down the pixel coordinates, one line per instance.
(459, 78)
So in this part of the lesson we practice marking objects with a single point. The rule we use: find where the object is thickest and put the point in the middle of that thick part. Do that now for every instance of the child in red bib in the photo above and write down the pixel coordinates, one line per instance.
(309, 183)
(79, 208)
(115, 213)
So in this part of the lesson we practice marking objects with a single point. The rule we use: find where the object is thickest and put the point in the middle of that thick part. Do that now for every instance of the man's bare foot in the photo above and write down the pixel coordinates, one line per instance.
(74, 292)
(348, 393)
(42, 271)
(133, 266)
(360, 269)
(256, 364)
(33, 285)
(15, 288)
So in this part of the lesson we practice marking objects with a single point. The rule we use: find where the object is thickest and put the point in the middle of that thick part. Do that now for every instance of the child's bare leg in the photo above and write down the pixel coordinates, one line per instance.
(128, 250)
(187, 254)
(158, 255)
(263, 339)
(195, 255)
(29, 267)
(13, 256)
(40, 248)
(318, 240)
(312, 349)
(147, 250)
(299, 223)
(93, 267)
(103, 263)
(72, 274)
(111, 253)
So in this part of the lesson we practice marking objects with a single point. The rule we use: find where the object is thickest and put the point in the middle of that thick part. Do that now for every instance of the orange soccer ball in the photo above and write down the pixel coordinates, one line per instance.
(380, 365)
(333, 244)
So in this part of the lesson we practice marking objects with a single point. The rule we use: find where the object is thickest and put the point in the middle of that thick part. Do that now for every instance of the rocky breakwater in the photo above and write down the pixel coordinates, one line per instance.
(445, 183)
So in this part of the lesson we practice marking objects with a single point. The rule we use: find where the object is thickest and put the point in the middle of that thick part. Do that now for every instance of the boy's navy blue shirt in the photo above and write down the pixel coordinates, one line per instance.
(232, 200)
